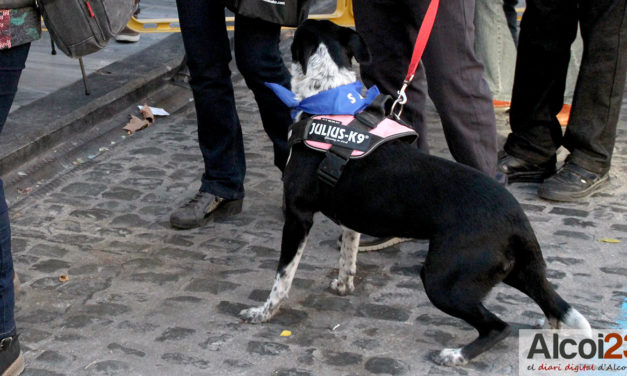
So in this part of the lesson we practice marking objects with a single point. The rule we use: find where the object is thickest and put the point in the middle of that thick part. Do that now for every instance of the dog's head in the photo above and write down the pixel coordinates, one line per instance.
(322, 54)
(341, 43)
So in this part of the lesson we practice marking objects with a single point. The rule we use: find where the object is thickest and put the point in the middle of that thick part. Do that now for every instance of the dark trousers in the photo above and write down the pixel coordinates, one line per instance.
(509, 7)
(259, 60)
(11, 65)
(547, 30)
(454, 76)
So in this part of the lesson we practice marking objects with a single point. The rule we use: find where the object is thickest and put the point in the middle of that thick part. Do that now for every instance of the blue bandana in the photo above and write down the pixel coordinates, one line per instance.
(342, 100)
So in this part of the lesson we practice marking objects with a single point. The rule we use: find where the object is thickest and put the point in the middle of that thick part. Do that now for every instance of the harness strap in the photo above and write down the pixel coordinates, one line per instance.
(375, 112)
(297, 132)
(336, 157)
(332, 166)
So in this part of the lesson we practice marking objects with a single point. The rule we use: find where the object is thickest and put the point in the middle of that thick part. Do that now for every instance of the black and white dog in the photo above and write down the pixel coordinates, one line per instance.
(478, 234)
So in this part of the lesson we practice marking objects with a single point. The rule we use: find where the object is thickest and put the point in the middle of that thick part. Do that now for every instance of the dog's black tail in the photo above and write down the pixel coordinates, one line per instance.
(529, 276)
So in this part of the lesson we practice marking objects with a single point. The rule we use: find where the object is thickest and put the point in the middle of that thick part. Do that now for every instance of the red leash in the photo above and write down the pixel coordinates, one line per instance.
(419, 49)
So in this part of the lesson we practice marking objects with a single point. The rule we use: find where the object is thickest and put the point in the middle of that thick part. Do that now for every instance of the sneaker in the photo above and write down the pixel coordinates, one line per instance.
(369, 243)
(197, 211)
(127, 35)
(11, 359)
(572, 183)
(518, 170)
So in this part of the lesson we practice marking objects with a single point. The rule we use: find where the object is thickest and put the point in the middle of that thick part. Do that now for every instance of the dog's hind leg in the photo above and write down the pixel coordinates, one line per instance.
(295, 233)
(461, 303)
(457, 285)
(343, 284)
(529, 276)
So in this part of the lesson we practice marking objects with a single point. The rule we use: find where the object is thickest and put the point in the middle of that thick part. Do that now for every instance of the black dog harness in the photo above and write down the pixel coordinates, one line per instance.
(345, 137)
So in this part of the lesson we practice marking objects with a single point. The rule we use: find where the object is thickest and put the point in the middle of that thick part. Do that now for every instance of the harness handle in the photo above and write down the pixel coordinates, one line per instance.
(419, 48)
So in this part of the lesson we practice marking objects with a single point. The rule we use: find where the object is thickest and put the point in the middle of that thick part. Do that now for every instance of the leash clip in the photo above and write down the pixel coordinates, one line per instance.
(401, 100)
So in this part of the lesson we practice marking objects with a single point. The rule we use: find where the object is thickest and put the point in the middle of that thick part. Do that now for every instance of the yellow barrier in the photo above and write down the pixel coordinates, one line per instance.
(343, 16)
(156, 25)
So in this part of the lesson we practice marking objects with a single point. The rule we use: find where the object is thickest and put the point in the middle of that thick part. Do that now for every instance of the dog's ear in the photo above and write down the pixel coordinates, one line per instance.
(355, 45)
(304, 45)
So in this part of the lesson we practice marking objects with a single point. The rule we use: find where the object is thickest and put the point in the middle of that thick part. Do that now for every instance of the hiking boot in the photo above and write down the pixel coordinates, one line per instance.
(11, 359)
(127, 35)
(203, 206)
(518, 170)
(369, 243)
(572, 183)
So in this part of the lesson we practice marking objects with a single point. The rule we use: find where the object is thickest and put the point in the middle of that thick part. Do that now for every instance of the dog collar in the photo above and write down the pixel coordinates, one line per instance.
(341, 100)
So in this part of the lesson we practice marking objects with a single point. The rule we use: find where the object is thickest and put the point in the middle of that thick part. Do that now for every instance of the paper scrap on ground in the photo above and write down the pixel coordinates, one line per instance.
(606, 240)
(156, 110)
(147, 114)
(136, 124)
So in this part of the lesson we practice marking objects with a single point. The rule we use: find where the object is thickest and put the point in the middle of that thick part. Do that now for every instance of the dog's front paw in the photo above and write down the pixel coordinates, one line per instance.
(255, 315)
(340, 287)
(450, 357)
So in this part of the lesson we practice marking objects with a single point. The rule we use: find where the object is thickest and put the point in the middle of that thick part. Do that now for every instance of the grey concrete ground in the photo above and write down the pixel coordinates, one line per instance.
(141, 298)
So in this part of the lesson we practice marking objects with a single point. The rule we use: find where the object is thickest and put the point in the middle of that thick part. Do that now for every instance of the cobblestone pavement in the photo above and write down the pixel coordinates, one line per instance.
(144, 299)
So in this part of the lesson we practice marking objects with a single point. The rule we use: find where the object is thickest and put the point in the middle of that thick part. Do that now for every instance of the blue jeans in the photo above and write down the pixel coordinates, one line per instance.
(11, 64)
(259, 60)
(495, 47)
(497, 50)
(547, 31)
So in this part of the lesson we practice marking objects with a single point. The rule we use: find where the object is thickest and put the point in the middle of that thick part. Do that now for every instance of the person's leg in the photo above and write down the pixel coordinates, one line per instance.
(547, 30)
(7, 299)
(389, 29)
(220, 138)
(495, 48)
(259, 60)
(219, 133)
(591, 131)
(457, 87)
(509, 8)
(12, 62)
(11, 65)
